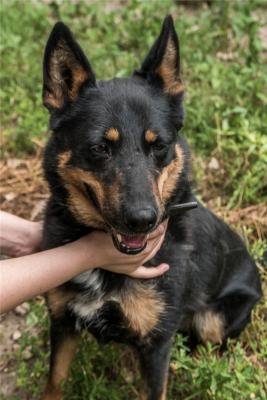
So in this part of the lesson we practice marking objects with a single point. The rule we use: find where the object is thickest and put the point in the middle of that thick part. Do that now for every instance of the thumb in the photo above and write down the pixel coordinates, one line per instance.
(149, 272)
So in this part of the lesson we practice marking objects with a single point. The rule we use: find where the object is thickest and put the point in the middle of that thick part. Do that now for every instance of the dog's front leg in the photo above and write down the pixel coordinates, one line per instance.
(64, 342)
(154, 362)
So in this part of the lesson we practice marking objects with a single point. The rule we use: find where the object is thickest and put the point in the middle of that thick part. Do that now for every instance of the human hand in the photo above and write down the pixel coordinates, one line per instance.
(19, 237)
(35, 237)
(109, 258)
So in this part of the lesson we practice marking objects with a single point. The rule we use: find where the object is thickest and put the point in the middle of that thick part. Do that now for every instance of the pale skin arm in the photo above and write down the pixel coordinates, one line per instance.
(27, 276)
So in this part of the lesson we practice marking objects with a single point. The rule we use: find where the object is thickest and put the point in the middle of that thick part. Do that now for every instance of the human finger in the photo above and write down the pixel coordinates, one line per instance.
(161, 229)
(152, 248)
(149, 272)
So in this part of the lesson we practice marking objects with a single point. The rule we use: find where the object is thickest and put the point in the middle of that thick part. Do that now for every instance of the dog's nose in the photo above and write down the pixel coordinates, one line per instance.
(140, 220)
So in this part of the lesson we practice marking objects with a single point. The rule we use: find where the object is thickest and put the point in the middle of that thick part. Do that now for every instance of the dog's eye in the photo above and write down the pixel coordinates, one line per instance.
(100, 150)
(159, 148)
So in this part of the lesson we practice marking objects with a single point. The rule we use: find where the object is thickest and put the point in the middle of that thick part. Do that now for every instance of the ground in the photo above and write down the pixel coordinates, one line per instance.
(24, 192)
(224, 67)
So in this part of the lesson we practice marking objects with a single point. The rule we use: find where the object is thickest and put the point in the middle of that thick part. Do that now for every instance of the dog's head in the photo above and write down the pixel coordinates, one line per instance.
(118, 153)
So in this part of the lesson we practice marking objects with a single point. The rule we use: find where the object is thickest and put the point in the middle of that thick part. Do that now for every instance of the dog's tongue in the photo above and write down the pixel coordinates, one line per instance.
(135, 241)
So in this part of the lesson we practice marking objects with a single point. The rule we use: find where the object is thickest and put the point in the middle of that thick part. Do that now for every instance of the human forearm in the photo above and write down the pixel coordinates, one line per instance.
(25, 277)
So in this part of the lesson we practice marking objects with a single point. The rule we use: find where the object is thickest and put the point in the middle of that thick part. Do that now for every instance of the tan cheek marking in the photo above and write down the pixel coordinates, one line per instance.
(83, 209)
(77, 176)
(79, 203)
(112, 194)
(168, 73)
(169, 176)
(209, 326)
(156, 195)
(150, 136)
(112, 134)
(142, 307)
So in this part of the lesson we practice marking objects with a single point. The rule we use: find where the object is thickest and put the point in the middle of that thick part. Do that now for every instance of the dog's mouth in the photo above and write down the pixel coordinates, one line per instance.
(125, 243)
(129, 244)
(135, 243)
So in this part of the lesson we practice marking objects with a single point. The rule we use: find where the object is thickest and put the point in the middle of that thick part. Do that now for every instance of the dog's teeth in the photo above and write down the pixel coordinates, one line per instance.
(119, 237)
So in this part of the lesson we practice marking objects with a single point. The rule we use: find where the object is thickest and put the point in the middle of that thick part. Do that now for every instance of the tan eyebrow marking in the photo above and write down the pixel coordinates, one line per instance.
(150, 136)
(112, 134)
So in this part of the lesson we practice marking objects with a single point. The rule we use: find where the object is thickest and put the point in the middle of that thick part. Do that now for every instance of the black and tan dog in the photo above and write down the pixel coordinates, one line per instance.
(116, 162)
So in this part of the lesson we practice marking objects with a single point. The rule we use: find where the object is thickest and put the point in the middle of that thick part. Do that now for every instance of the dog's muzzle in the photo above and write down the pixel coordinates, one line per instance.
(136, 243)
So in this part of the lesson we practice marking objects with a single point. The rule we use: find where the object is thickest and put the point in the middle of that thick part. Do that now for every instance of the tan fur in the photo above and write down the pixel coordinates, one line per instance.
(79, 203)
(144, 394)
(164, 392)
(59, 373)
(112, 193)
(62, 56)
(170, 85)
(52, 393)
(112, 134)
(163, 395)
(64, 158)
(82, 208)
(80, 76)
(209, 326)
(169, 176)
(142, 307)
(167, 71)
(150, 136)
(57, 300)
(53, 101)
(157, 196)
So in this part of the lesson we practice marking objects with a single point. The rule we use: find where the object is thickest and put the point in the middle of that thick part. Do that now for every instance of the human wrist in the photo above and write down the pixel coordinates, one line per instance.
(28, 238)
(86, 252)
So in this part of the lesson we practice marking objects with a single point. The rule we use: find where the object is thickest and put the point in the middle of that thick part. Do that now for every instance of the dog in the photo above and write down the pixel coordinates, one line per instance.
(116, 162)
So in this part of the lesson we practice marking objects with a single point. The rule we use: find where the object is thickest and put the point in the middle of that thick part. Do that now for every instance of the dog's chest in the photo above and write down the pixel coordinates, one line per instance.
(135, 309)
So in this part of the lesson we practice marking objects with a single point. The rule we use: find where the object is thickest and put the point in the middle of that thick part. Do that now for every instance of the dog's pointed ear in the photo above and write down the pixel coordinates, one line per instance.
(162, 64)
(66, 69)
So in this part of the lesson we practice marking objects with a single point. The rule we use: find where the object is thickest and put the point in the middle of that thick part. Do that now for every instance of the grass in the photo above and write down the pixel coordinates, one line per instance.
(226, 80)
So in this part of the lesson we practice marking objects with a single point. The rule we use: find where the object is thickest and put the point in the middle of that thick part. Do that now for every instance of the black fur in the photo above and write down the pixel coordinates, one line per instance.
(210, 268)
